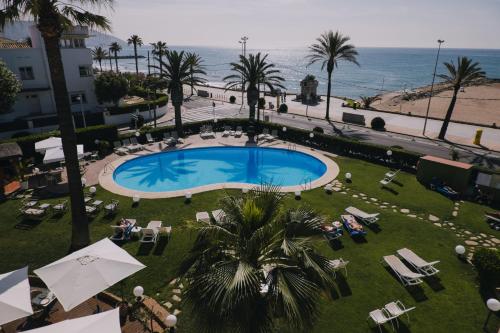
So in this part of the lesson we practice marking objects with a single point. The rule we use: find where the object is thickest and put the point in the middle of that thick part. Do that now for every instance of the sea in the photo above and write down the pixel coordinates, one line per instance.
(380, 70)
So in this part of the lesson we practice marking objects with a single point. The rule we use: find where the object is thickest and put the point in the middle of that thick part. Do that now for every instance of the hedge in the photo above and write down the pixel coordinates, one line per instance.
(85, 136)
(143, 106)
(487, 264)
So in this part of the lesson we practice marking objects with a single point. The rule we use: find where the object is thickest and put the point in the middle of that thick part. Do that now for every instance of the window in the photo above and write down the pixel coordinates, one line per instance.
(75, 98)
(85, 71)
(26, 73)
(79, 43)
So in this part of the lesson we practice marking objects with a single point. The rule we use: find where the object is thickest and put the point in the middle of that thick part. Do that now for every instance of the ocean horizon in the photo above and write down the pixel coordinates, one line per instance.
(381, 70)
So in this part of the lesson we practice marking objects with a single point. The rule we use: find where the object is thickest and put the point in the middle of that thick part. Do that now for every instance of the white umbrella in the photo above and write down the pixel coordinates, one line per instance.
(52, 142)
(108, 322)
(15, 298)
(54, 155)
(85, 273)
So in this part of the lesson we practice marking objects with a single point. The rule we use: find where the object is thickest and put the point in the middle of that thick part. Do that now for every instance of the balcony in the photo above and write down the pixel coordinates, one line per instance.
(76, 31)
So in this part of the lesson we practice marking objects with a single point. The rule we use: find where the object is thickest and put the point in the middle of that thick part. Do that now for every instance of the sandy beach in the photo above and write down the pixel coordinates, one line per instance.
(476, 104)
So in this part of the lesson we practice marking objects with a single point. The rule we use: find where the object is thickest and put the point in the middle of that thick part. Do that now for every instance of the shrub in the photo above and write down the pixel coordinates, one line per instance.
(232, 99)
(262, 103)
(487, 263)
(110, 87)
(136, 121)
(378, 124)
(318, 129)
(283, 108)
(9, 88)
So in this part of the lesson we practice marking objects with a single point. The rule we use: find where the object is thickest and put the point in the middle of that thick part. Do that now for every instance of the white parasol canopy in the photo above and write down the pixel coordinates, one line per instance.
(57, 155)
(15, 298)
(44, 145)
(108, 322)
(85, 273)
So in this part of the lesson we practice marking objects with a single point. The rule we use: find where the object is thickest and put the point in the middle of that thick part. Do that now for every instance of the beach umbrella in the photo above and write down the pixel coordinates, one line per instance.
(15, 298)
(52, 142)
(85, 273)
(108, 322)
(54, 155)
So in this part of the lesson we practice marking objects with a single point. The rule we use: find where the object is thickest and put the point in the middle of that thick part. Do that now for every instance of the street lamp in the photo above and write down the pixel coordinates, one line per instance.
(460, 250)
(171, 321)
(440, 41)
(80, 98)
(493, 306)
(311, 135)
(243, 42)
(348, 177)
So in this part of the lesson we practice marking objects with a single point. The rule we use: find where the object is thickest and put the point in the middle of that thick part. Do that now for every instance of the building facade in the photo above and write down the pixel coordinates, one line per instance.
(35, 109)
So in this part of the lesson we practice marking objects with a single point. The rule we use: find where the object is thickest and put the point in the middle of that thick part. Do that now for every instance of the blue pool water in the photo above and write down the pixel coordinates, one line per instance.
(189, 168)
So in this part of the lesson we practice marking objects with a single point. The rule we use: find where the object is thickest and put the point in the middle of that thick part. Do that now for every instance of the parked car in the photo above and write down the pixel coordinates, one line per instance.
(439, 186)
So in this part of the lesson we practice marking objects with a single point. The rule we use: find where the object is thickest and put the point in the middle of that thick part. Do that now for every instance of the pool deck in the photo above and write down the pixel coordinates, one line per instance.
(105, 169)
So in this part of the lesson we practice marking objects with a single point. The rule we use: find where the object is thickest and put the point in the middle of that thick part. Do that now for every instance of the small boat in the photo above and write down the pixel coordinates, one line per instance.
(352, 226)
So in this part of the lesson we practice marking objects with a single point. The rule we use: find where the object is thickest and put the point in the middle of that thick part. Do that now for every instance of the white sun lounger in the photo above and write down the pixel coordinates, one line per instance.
(227, 131)
(391, 174)
(273, 136)
(218, 215)
(338, 264)
(264, 135)
(119, 149)
(149, 138)
(397, 309)
(239, 132)
(202, 217)
(380, 317)
(60, 207)
(363, 216)
(150, 233)
(112, 207)
(176, 138)
(136, 144)
(422, 266)
(405, 275)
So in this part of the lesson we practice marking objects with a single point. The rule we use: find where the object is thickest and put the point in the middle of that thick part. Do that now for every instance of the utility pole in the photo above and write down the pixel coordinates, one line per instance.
(149, 68)
(440, 41)
(243, 42)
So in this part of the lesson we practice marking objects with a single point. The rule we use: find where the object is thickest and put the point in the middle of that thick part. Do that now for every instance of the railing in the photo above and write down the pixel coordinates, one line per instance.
(108, 168)
(292, 146)
(306, 184)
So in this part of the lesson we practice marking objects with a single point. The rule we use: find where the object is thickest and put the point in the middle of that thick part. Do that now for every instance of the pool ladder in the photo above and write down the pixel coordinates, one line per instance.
(306, 184)
(108, 168)
(292, 146)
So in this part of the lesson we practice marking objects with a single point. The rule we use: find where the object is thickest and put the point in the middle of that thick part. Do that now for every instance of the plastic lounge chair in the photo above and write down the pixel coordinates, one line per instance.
(33, 213)
(60, 207)
(127, 144)
(338, 264)
(218, 215)
(119, 149)
(392, 173)
(239, 132)
(264, 135)
(150, 233)
(386, 181)
(353, 227)
(167, 138)
(44, 206)
(227, 131)
(112, 207)
(97, 204)
(380, 317)
(420, 265)
(405, 275)
(202, 217)
(397, 309)
(149, 138)
(166, 231)
(274, 135)
(363, 216)
(176, 138)
(90, 210)
(136, 143)
(210, 132)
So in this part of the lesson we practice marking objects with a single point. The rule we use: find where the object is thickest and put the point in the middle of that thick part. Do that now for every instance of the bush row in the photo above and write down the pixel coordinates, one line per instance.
(143, 106)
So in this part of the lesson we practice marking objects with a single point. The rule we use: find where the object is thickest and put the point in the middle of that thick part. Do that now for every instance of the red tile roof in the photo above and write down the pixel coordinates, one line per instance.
(440, 160)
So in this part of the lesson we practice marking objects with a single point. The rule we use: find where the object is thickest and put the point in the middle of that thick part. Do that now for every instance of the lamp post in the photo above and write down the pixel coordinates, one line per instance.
(171, 321)
(138, 293)
(80, 98)
(389, 154)
(460, 250)
(243, 42)
(440, 41)
(493, 306)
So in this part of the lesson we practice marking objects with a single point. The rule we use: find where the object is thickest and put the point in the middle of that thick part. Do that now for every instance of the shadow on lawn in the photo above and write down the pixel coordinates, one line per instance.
(160, 246)
(403, 328)
(145, 249)
(336, 244)
(374, 227)
(343, 286)
(434, 282)
(416, 291)
(26, 224)
(390, 190)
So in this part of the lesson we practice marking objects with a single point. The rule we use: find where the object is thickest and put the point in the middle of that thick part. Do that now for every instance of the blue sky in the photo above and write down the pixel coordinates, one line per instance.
(295, 23)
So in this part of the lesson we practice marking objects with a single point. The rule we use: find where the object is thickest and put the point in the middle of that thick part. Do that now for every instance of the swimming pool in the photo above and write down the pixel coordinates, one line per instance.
(197, 167)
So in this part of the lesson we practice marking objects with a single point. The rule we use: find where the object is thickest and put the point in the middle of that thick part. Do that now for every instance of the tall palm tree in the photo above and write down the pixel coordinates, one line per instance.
(330, 50)
(115, 48)
(465, 72)
(195, 67)
(258, 243)
(136, 41)
(159, 50)
(53, 18)
(110, 60)
(253, 71)
(99, 54)
(369, 100)
(176, 71)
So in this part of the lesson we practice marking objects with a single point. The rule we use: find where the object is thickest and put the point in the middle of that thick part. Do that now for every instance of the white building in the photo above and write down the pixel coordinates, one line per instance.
(35, 109)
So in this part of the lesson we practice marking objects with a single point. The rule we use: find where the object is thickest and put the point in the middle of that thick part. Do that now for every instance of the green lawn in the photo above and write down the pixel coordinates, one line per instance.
(449, 304)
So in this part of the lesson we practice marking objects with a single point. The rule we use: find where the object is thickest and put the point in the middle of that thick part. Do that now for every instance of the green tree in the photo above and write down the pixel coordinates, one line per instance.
(258, 265)
(176, 73)
(135, 41)
(110, 87)
(195, 67)
(115, 48)
(154, 84)
(464, 73)
(52, 18)
(330, 50)
(369, 100)
(253, 71)
(159, 50)
(99, 54)
(9, 88)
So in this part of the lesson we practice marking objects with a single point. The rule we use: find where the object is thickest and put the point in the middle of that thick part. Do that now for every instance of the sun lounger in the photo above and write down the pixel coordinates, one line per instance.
(363, 216)
(264, 135)
(33, 213)
(60, 207)
(273, 136)
(202, 217)
(112, 207)
(239, 132)
(420, 265)
(492, 216)
(176, 138)
(149, 138)
(166, 231)
(30, 203)
(167, 138)
(123, 231)
(219, 215)
(338, 264)
(380, 317)
(397, 309)
(97, 204)
(405, 275)
(392, 173)
(150, 233)
(227, 131)
(386, 181)
(352, 226)
(127, 144)
(136, 144)
(90, 210)
(44, 206)
(119, 149)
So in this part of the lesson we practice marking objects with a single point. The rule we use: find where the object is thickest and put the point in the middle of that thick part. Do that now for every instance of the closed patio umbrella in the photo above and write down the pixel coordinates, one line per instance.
(105, 322)
(15, 299)
(54, 155)
(85, 273)
(49, 143)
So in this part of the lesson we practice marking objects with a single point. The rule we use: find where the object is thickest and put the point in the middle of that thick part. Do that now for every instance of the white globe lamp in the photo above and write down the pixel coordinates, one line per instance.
(284, 128)
(460, 250)
(138, 292)
(348, 176)
(171, 320)
(136, 198)
(389, 153)
(311, 135)
(92, 190)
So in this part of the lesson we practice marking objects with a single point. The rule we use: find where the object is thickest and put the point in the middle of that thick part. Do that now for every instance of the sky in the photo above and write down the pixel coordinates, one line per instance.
(295, 23)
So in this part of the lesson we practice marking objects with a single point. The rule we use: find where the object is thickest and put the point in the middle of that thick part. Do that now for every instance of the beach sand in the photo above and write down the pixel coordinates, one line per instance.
(477, 104)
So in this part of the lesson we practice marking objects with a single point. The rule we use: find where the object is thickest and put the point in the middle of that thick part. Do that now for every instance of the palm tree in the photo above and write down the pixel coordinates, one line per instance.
(53, 18)
(109, 57)
(258, 243)
(369, 100)
(176, 72)
(99, 54)
(330, 50)
(159, 50)
(195, 67)
(253, 71)
(135, 40)
(115, 48)
(464, 73)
